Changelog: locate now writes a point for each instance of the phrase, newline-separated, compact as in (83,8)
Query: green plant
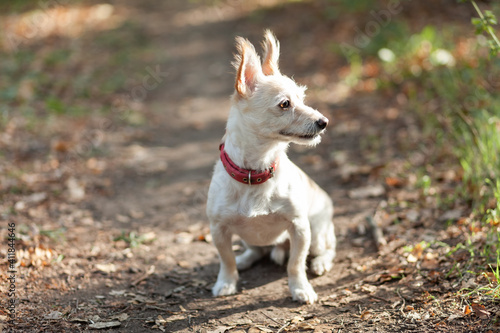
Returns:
(484,25)
(493,214)
(133,239)
(425,183)
(54,234)
(492,287)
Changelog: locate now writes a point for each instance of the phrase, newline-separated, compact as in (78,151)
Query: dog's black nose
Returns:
(322,122)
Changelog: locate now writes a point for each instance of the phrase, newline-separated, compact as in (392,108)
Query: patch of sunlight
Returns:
(222,12)
(29,27)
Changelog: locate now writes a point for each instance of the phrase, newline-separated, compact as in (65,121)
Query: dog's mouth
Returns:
(307,136)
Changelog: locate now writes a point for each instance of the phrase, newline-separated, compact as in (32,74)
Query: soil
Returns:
(151,188)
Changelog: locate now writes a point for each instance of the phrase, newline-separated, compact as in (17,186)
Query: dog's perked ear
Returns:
(247,64)
(271,48)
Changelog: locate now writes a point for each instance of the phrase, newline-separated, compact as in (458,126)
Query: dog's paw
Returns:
(303,292)
(224,288)
(278,255)
(321,264)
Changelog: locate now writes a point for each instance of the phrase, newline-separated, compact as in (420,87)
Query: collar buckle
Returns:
(271,172)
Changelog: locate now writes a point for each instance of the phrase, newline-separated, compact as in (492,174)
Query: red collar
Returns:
(246,176)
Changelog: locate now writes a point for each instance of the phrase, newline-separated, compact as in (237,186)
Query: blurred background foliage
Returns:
(452,82)
(453,85)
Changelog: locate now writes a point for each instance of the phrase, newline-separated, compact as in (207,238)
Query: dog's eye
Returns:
(285,104)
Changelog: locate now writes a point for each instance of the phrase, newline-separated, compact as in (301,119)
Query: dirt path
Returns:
(192,106)
(159,176)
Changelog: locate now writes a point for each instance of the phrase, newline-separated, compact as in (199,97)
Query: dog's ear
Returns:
(271,54)
(247,64)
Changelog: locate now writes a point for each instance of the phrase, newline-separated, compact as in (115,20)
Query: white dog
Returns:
(256,191)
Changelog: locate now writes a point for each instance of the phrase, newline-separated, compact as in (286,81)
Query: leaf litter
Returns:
(163,283)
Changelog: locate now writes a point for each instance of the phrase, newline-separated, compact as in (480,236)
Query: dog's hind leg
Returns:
(323,263)
(278,254)
(251,255)
(323,250)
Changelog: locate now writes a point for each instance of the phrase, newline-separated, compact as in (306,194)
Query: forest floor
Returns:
(116,239)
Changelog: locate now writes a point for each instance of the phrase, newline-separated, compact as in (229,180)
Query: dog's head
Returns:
(272,104)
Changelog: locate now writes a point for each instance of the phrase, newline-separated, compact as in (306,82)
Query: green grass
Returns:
(16,6)
(133,239)
(490,289)
(469,117)
(74,77)
(452,85)
(54,234)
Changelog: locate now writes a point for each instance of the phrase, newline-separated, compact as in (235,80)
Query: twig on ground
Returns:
(277,322)
(150,271)
(154,307)
(283,327)
(402,305)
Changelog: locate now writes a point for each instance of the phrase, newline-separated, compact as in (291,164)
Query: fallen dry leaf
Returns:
(237,322)
(120,317)
(367,192)
(160,320)
(480,310)
(140,299)
(368,288)
(307,326)
(184,264)
(412,258)
(262,329)
(347,171)
(394,182)
(366,315)
(106,268)
(453,317)
(435,276)
(430,264)
(61,146)
(330,304)
(220,329)
(253,330)
(117,292)
(76,189)
(413,315)
(36,257)
(54,315)
(105,324)
(175,317)
(418,250)
(184,238)
(79,320)
(95,165)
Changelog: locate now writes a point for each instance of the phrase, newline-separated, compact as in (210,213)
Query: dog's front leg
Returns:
(300,239)
(228,274)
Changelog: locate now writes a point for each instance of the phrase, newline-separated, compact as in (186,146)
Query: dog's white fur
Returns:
(289,206)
